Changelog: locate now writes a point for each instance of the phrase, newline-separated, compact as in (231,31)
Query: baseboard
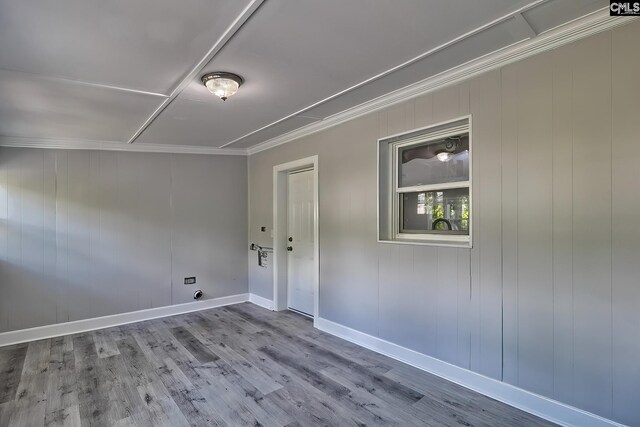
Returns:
(77,326)
(261,301)
(541,406)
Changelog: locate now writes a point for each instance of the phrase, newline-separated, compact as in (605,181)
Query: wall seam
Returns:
(517,249)
(249,227)
(66,236)
(44,204)
(171,226)
(501,229)
(611,212)
(573,232)
(553,240)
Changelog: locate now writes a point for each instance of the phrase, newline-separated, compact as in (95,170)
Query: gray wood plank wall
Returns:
(92,233)
(547,298)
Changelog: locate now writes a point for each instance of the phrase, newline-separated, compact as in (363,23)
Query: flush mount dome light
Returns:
(222,84)
(444,156)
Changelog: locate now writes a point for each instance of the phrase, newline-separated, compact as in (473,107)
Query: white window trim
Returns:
(394,190)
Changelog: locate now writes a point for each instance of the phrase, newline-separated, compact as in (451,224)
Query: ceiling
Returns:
(129,72)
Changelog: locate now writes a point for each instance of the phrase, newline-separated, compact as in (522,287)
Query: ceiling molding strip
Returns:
(219,44)
(71,144)
(47,78)
(585,26)
(300,113)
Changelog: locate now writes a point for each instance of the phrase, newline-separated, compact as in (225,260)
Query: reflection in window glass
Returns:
(434,212)
(435,162)
(422,207)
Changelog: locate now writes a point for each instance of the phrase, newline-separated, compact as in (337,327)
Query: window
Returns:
(425,185)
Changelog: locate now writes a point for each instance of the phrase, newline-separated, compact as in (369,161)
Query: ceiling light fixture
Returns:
(222,84)
(444,156)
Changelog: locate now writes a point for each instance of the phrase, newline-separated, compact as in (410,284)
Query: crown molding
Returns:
(73,144)
(585,26)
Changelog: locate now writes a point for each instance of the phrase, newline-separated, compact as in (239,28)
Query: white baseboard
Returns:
(77,326)
(541,406)
(261,301)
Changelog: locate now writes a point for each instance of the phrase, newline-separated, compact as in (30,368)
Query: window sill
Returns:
(422,242)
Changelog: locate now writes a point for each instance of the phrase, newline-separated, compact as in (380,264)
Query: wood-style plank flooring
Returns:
(232,366)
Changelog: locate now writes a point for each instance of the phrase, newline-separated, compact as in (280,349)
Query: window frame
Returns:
(393,207)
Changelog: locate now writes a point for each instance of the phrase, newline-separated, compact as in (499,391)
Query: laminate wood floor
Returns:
(239,365)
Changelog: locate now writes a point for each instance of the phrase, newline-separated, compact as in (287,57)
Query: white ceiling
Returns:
(104,70)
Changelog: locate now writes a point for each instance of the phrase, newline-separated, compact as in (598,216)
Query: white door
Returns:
(300,228)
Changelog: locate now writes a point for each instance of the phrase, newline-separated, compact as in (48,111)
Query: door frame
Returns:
(280,196)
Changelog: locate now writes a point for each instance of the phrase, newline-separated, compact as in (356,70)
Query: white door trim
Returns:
(280,230)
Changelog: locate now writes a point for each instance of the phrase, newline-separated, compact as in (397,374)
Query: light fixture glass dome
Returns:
(222,84)
(444,156)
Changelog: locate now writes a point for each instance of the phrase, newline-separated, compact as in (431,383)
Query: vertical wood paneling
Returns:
(106,230)
(464,309)
(49,281)
(62,236)
(396,120)
(335,240)
(447,309)
(535,225)
(208,220)
(14,237)
(540,272)
(127,225)
(406,269)
(510,197)
(409,115)
(31,266)
(400,318)
(423,110)
(361,269)
(486,284)
(425,266)
(626,234)
(394,280)
(425,261)
(4,232)
(562,160)
(153,254)
(592,222)
(71,224)
(463,273)
(446,106)
(79,237)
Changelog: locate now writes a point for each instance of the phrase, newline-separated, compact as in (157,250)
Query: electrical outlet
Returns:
(189,280)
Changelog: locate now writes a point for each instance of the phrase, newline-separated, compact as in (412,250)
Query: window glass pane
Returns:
(435,212)
(435,162)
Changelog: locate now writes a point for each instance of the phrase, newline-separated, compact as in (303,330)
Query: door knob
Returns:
(291,239)
(289,248)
